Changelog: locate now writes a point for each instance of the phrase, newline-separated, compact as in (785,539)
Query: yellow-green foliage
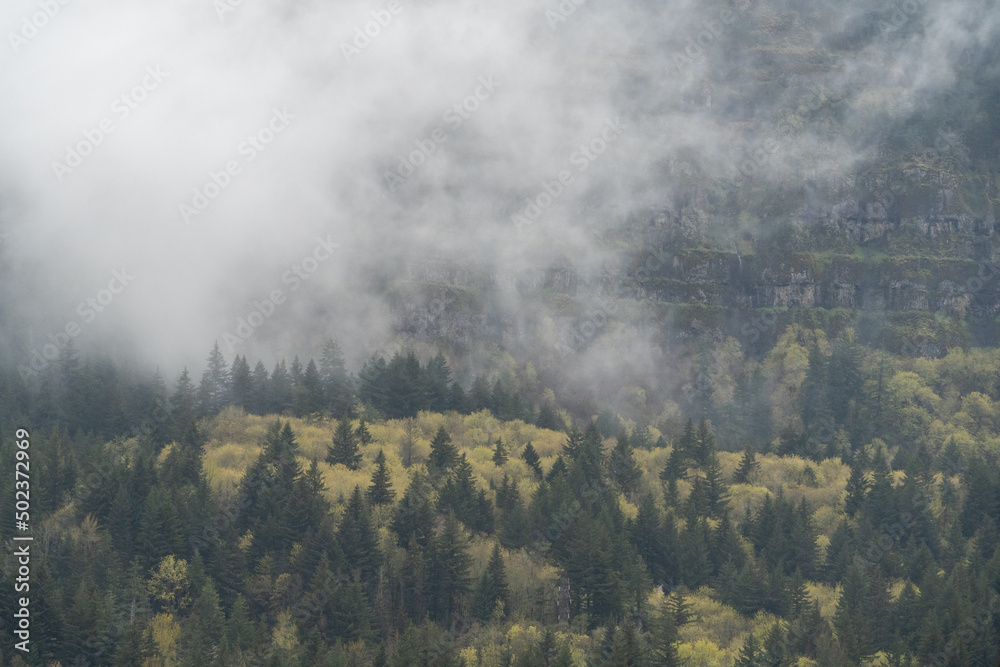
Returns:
(826,597)
(718,631)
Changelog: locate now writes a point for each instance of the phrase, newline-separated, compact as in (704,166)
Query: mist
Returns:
(185,165)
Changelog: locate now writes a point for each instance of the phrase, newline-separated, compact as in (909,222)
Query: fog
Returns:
(292,117)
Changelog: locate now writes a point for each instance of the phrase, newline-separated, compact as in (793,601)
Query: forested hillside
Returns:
(307,515)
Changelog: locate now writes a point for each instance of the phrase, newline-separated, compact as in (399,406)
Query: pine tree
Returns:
(415,513)
(749,466)
(450,562)
(499,453)
(183,402)
(336,384)
(857,487)
(380,492)
(443,453)
(311,395)
(213,393)
(344,449)
(664,639)
(357,537)
(438,377)
(687,446)
(750,654)
(241,383)
(622,467)
(530,457)
(492,587)
(258,404)
(362,433)
(280,395)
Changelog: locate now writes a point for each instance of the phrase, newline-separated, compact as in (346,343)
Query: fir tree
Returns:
(492,587)
(750,654)
(344,449)
(357,537)
(857,487)
(241,383)
(364,437)
(530,457)
(380,492)
(333,376)
(443,453)
(622,467)
(749,466)
(213,393)
(499,453)
(311,398)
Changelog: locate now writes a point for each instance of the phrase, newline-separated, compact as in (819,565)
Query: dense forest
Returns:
(312,516)
(617,333)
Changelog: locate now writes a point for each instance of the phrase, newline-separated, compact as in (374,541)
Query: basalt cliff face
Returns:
(915,263)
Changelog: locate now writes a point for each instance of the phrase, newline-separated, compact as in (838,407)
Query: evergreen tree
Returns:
(530,457)
(492,587)
(362,433)
(213,393)
(750,654)
(280,395)
(311,395)
(857,487)
(499,453)
(622,467)
(183,402)
(241,383)
(449,566)
(336,384)
(380,492)
(749,466)
(260,383)
(357,537)
(443,453)
(438,377)
(344,449)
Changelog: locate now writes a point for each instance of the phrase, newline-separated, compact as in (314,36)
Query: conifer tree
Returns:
(622,467)
(311,398)
(380,492)
(213,393)
(530,457)
(357,538)
(344,449)
(443,453)
(750,653)
(499,453)
(749,466)
(857,487)
(492,587)
(183,402)
(449,565)
(333,376)
(241,383)
(362,433)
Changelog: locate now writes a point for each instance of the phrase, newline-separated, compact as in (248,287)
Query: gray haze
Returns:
(322,176)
